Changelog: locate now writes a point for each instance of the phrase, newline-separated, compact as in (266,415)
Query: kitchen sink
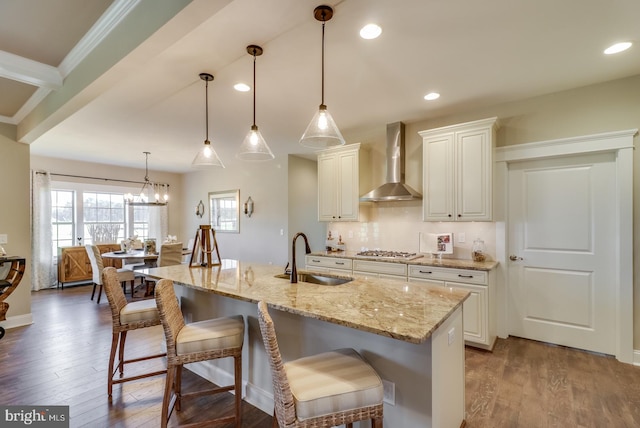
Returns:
(316,278)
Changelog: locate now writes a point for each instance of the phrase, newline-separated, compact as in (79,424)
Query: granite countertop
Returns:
(421,261)
(410,312)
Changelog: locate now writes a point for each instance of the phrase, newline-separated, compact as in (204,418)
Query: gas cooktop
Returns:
(388,255)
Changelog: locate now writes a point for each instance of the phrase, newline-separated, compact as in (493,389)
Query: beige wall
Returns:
(15,214)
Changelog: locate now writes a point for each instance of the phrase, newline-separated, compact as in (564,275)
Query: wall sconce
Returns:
(200,209)
(248,207)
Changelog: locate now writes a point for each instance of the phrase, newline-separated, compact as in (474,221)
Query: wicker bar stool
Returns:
(125,317)
(323,390)
(198,341)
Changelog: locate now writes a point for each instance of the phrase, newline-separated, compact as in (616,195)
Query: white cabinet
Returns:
(339,183)
(478,318)
(369,268)
(333,265)
(458,171)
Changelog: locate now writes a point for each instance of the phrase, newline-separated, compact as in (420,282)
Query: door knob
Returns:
(515,258)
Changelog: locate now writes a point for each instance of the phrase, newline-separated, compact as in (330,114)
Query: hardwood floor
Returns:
(61,359)
(524,383)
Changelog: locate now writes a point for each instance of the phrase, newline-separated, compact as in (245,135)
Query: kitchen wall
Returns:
(14,218)
(604,107)
(282,206)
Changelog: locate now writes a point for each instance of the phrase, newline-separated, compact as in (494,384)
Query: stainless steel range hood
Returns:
(394,189)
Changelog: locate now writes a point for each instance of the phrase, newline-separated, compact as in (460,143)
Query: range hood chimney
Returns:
(394,189)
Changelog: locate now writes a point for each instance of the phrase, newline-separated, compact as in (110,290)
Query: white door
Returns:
(562,233)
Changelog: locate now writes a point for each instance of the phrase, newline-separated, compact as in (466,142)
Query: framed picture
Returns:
(436,243)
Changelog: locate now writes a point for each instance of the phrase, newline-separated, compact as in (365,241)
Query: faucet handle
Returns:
(287,271)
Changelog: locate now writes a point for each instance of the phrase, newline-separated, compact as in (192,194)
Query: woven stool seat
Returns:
(198,341)
(323,390)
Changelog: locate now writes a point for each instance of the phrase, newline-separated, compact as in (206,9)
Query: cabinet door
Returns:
(438,200)
(475,316)
(348,186)
(473,175)
(327,187)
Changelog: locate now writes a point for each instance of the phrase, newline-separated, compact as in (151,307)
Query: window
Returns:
(86,214)
(103,217)
(62,219)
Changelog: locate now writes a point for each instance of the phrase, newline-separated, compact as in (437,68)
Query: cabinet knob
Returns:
(514,258)
(449,215)
(459,215)
(422,271)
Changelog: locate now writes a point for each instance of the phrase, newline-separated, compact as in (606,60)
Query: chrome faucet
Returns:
(294,270)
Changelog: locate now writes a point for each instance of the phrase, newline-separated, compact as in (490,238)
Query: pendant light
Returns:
(151,194)
(207,156)
(322,130)
(254,147)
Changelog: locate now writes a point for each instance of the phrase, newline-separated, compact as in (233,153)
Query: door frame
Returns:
(621,144)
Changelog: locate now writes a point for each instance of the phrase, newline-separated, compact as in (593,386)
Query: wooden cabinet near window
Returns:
(74,264)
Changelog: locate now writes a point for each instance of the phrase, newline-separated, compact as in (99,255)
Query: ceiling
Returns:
(78,87)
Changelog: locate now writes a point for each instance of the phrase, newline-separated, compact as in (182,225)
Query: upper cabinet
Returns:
(339,183)
(458,171)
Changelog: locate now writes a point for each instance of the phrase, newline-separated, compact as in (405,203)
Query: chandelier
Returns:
(151,194)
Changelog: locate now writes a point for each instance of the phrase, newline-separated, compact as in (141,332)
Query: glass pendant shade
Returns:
(254,147)
(206,156)
(322,131)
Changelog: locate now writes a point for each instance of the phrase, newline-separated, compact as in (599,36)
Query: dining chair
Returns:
(97,267)
(199,341)
(323,390)
(169,254)
(124,318)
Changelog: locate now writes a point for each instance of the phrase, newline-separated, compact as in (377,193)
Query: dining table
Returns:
(137,257)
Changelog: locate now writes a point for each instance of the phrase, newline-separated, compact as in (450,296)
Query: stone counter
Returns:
(404,311)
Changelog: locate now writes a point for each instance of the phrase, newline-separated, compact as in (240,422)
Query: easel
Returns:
(203,240)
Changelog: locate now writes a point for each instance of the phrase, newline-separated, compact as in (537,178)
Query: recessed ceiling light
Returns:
(370,31)
(242,87)
(432,96)
(618,47)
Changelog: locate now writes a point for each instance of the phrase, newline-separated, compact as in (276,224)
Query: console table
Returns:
(8,284)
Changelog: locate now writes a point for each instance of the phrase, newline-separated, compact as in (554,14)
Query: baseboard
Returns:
(253,395)
(17,321)
(636,357)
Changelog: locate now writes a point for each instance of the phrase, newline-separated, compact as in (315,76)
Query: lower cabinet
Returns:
(478,318)
(74,264)
(478,315)
(332,265)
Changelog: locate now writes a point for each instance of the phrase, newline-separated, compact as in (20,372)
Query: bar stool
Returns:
(323,390)
(125,317)
(198,341)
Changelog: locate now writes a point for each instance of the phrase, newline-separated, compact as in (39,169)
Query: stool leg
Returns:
(237,362)
(94,290)
(377,423)
(178,387)
(99,294)
(112,357)
(123,337)
(275,423)
(166,399)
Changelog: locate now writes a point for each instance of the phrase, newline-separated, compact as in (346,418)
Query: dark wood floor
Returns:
(61,360)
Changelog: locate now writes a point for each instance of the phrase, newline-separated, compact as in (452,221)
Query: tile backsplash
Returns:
(396,226)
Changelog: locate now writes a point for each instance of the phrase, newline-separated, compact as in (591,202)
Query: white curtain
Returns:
(158,223)
(42,267)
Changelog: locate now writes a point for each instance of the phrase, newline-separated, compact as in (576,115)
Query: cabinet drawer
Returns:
(328,262)
(445,274)
(389,268)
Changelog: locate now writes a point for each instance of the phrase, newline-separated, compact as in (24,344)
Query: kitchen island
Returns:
(410,333)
